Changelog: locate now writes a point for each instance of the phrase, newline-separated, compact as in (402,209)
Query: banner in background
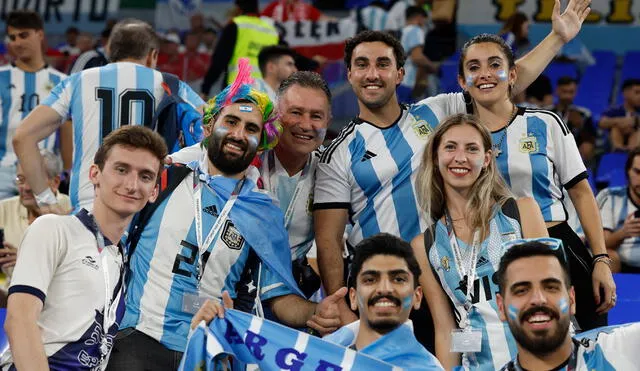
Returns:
(86,15)
(603,12)
(324,38)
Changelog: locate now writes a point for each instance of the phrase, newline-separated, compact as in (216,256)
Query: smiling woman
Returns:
(472,213)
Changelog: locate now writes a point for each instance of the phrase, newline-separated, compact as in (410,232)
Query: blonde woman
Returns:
(473,213)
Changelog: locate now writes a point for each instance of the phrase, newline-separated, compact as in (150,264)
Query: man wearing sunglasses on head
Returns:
(536,299)
(23,84)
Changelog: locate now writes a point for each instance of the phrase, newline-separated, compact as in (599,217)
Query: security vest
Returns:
(253,34)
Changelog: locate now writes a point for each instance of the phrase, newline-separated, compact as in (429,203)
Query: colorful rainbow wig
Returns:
(242,90)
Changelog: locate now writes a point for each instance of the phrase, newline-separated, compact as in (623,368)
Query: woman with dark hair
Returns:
(473,211)
(538,157)
(515,33)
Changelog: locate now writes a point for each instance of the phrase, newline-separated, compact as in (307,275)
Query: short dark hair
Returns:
(413,11)
(248,6)
(369,36)
(632,155)
(272,53)
(24,19)
(486,38)
(383,244)
(527,250)
(566,80)
(306,79)
(133,136)
(539,88)
(132,38)
(72,29)
(629,83)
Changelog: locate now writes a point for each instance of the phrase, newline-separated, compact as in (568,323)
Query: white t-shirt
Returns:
(59,263)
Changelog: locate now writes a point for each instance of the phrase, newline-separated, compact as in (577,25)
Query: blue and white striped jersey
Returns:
(282,188)
(498,345)
(608,348)
(373,17)
(21,92)
(164,265)
(412,37)
(615,205)
(100,100)
(372,171)
(538,157)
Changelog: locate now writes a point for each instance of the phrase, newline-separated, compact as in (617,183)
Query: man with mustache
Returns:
(383,287)
(537,300)
(215,232)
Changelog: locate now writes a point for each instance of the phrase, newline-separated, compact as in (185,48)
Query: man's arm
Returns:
(422,61)
(66,144)
(566,26)
(38,125)
(295,311)
(329,227)
(221,56)
(25,339)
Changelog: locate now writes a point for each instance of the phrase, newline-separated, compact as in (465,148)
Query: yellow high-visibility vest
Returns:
(253,34)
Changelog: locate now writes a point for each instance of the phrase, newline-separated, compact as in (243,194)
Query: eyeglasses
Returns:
(20,180)
(554,245)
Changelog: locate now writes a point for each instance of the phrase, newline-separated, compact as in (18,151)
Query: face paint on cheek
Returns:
(407,302)
(502,75)
(320,134)
(512,312)
(563,304)
(469,80)
(220,132)
(253,142)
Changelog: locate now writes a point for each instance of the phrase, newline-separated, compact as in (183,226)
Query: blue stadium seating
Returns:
(627,308)
(449,78)
(556,70)
(629,69)
(610,163)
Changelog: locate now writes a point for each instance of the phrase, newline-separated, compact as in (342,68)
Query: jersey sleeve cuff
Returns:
(331,205)
(608,229)
(576,180)
(28,290)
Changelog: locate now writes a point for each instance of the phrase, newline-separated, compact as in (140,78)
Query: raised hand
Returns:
(326,318)
(212,309)
(568,23)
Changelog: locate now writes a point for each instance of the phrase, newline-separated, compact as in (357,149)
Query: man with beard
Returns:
(618,208)
(212,232)
(537,300)
(384,287)
(366,176)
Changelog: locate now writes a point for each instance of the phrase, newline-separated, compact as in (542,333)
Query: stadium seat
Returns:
(618,178)
(629,69)
(592,181)
(557,70)
(4,341)
(609,163)
(449,78)
(627,308)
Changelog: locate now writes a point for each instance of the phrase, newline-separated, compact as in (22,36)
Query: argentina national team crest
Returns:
(231,236)
(529,144)
(422,129)
(445,263)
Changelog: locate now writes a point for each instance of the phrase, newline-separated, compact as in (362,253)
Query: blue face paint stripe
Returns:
(513,312)
(540,167)
(502,75)
(407,302)
(367,179)
(563,304)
